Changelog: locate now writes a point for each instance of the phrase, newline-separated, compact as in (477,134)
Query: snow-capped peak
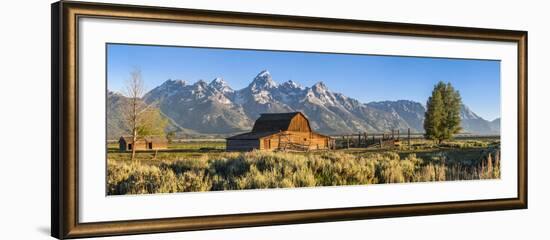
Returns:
(319,87)
(172,85)
(263,81)
(201,83)
(291,84)
(320,94)
(264,73)
(220,84)
(175,82)
(218,80)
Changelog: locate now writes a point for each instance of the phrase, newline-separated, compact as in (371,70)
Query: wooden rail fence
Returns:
(388,139)
(380,140)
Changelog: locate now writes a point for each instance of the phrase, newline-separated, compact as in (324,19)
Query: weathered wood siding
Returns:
(159,145)
(319,141)
(140,145)
(270,142)
(290,139)
(242,145)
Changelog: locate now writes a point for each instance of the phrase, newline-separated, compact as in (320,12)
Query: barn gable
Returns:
(294,121)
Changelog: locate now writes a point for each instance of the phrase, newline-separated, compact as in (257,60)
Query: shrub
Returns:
(193,181)
(139,179)
(258,170)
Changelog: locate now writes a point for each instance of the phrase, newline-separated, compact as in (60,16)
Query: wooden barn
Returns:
(280,131)
(146,143)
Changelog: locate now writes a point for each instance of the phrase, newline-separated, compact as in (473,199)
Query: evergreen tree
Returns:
(442,117)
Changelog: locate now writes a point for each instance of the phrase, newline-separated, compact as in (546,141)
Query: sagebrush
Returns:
(259,170)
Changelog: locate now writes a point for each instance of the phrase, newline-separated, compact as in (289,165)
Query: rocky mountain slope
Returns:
(215,108)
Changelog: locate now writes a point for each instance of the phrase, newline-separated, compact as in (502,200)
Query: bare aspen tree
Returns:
(134,92)
(141,119)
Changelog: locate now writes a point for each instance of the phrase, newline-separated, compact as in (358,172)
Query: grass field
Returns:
(205,166)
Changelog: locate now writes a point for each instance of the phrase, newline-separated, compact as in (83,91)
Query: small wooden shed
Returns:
(280,131)
(145,143)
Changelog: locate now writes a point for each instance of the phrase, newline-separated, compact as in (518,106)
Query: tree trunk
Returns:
(134,128)
(134,91)
(134,139)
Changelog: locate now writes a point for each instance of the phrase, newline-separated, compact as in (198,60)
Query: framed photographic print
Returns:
(167,119)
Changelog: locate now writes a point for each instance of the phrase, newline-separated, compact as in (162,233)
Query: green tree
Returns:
(434,115)
(152,123)
(170,136)
(442,117)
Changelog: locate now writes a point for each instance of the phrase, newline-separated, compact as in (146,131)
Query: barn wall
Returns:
(242,145)
(319,142)
(140,145)
(143,145)
(160,145)
(275,141)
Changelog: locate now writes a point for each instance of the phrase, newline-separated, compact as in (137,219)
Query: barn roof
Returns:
(274,121)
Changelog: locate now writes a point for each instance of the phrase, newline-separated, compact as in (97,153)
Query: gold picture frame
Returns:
(65,127)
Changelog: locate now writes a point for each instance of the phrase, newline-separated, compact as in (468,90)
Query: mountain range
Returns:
(214,108)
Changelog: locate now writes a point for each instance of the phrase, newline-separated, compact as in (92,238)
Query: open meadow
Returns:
(193,166)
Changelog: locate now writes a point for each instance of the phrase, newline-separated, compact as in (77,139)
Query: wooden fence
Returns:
(388,139)
(380,140)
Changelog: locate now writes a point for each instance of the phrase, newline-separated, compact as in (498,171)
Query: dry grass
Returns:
(259,170)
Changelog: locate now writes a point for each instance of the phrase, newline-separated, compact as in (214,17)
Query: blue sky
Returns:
(364,77)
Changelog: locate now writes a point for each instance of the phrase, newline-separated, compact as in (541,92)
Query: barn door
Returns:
(267,143)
